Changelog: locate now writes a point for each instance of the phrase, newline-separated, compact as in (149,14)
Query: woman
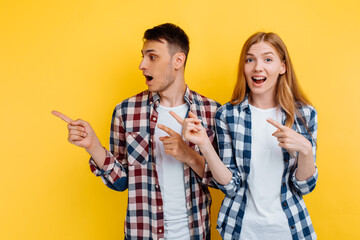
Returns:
(267,144)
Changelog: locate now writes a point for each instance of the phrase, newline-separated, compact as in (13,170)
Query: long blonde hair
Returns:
(288,92)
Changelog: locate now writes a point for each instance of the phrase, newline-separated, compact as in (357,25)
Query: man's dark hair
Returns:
(174,35)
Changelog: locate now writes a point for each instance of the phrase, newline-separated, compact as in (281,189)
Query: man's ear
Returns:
(179,60)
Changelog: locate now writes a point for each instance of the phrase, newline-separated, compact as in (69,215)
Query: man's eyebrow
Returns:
(148,51)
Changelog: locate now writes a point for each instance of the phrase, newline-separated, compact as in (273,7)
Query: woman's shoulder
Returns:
(307,110)
(227,108)
(308,113)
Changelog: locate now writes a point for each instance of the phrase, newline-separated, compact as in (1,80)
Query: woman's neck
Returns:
(262,102)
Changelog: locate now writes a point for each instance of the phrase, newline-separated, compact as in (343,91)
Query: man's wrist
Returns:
(95,150)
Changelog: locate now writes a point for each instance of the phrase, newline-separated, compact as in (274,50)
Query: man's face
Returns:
(157,65)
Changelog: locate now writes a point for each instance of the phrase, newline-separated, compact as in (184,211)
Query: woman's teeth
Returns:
(259,79)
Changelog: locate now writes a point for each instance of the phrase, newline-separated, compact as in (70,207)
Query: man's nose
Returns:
(142,65)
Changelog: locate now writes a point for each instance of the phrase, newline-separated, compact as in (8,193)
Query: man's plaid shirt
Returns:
(130,164)
(233,129)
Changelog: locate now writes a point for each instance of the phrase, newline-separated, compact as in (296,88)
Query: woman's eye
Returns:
(152,57)
(268,60)
(248,60)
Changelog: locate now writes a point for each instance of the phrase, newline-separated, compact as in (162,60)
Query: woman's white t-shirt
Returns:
(264,217)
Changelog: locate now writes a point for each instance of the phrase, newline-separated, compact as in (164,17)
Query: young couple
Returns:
(163,147)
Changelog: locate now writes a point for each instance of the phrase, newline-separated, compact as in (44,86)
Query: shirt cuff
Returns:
(106,169)
(305,186)
(230,189)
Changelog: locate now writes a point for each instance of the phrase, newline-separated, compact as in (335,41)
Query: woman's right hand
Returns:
(193,130)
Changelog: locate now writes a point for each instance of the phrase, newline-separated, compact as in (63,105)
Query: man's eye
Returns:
(152,57)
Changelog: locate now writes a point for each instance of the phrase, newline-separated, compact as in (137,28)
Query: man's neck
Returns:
(174,95)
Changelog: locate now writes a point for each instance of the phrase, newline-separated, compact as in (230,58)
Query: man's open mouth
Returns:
(148,78)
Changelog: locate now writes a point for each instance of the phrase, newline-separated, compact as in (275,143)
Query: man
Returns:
(166,177)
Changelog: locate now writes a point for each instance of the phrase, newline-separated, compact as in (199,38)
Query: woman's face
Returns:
(262,69)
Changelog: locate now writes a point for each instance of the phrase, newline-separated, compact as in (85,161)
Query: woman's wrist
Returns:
(307,148)
(205,145)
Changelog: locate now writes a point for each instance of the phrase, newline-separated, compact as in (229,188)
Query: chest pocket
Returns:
(137,144)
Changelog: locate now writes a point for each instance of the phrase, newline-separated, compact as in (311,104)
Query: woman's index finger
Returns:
(275,123)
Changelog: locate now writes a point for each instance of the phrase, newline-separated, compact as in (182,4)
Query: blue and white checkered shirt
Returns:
(233,127)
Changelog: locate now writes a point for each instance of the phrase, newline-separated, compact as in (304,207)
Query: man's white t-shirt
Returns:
(171,177)
(264,217)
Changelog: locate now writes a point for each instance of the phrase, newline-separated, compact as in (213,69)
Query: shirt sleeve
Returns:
(115,169)
(308,185)
(207,178)
(226,154)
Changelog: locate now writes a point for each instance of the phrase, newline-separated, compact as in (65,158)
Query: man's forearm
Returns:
(98,153)
(197,163)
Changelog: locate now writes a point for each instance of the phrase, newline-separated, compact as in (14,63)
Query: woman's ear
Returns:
(283,68)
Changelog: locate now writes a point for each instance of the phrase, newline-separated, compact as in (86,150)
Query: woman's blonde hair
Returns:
(288,93)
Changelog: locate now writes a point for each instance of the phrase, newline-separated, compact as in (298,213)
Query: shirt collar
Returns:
(188,96)
(154,97)
(244,104)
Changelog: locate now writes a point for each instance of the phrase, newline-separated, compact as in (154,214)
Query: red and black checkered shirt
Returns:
(130,164)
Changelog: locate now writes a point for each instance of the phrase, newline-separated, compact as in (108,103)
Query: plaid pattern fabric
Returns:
(233,127)
(130,164)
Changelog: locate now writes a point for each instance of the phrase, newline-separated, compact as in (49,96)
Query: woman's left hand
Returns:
(289,139)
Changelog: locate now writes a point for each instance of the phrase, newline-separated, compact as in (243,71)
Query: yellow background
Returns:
(81,57)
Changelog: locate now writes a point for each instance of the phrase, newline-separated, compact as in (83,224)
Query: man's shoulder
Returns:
(202,100)
(140,98)
(132,104)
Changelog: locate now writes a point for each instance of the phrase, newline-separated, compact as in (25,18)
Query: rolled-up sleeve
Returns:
(306,186)
(114,172)
(226,154)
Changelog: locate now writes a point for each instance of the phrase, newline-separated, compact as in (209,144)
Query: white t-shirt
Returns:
(264,217)
(171,177)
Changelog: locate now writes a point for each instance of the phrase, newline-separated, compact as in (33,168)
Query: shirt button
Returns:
(160,230)
(292,227)
(134,135)
(284,204)
(156,186)
(154,118)
(159,208)
(284,184)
